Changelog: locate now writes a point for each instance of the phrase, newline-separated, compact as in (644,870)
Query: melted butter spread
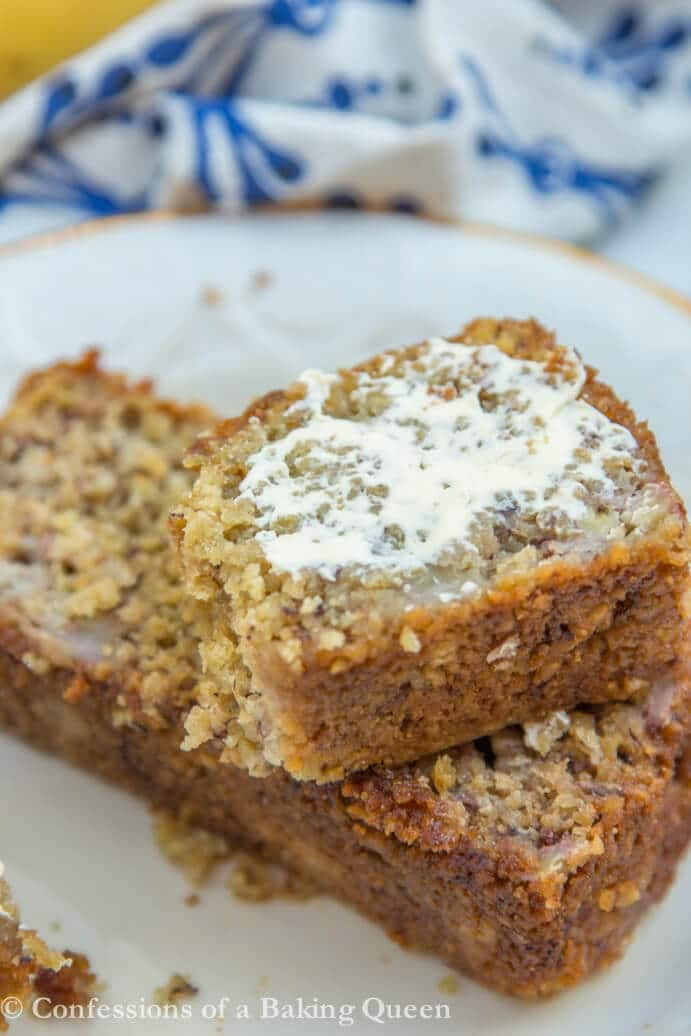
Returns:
(399,477)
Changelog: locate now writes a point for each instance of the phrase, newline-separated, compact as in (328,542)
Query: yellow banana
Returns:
(37,34)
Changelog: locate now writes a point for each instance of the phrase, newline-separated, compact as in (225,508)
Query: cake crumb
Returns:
(625,894)
(197,852)
(32,970)
(444,774)
(541,736)
(504,652)
(261,280)
(255,880)
(73,983)
(188,198)
(262,985)
(331,639)
(210,295)
(449,984)
(410,641)
(177,988)
(38,665)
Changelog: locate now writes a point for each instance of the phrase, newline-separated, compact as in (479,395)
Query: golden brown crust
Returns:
(87,369)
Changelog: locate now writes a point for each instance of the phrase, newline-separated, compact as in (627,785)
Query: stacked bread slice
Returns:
(418,633)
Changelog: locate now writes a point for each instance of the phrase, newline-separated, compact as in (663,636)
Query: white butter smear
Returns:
(402,488)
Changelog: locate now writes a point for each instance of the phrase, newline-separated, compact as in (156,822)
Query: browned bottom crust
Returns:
(477,915)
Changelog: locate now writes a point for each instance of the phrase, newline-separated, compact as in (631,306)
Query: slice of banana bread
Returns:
(525,859)
(89,467)
(421,550)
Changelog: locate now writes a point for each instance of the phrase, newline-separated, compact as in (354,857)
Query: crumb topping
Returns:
(176,990)
(195,851)
(397,466)
(199,853)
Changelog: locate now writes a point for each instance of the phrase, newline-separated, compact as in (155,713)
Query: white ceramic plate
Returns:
(290,292)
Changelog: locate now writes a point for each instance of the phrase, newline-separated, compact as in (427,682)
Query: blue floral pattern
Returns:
(633,49)
(401,103)
(260,163)
(551,164)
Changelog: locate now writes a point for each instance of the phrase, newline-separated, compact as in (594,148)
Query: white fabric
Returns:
(556,117)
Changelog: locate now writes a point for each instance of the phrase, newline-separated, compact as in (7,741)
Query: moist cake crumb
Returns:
(449,984)
(177,990)
(199,853)
(258,880)
(195,851)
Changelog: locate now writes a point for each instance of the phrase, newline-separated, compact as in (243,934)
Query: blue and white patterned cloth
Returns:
(556,117)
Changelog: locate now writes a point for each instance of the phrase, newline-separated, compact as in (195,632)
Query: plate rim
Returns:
(48,239)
